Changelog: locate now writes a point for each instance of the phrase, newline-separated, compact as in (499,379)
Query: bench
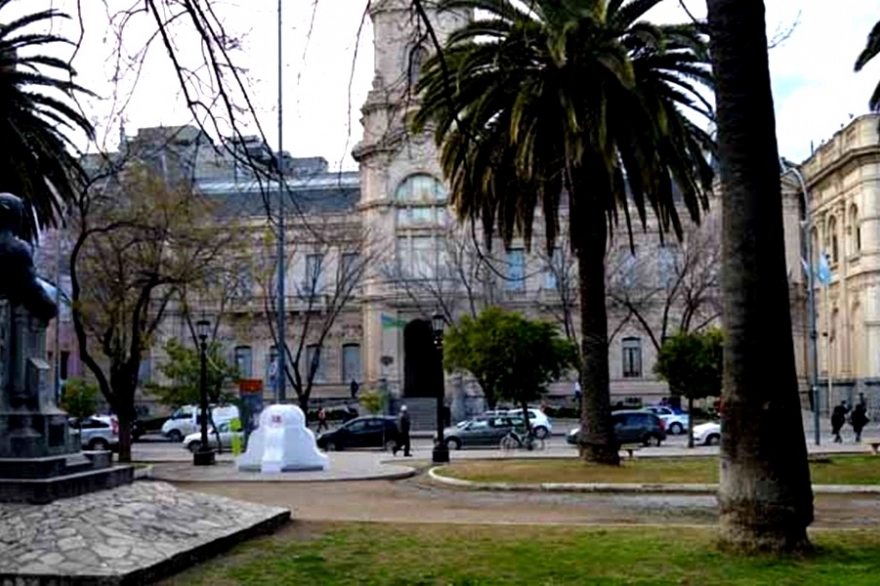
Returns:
(874,443)
(629,449)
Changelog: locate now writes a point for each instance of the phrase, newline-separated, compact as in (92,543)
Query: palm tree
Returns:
(579,99)
(765,494)
(871,50)
(36,116)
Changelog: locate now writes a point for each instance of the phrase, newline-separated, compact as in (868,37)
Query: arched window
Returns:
(856,229)
(832,239)
(416,59)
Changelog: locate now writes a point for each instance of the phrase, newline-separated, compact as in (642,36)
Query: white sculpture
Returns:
(282,443)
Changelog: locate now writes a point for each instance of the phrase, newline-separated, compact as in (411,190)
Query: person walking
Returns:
(859,419)
(322,420)
(838,418)
(403,425)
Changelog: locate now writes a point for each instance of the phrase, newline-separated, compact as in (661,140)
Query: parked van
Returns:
(185,420)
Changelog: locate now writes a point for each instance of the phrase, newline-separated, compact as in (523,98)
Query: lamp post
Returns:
(811,295)
(204,456)
(440,455)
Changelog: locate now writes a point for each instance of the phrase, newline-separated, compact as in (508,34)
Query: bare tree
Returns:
(336,255)
(137,242)
(671,290)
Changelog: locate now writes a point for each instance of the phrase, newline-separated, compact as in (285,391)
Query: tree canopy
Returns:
(512,357)
(691,363)
(183,371)
(79,398)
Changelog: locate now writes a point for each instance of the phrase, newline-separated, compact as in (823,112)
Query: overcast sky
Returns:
(815,88)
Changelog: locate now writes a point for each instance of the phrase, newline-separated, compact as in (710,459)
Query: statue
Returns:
(36,441)
(20,284)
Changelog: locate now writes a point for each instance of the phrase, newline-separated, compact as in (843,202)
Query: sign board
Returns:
(251,393)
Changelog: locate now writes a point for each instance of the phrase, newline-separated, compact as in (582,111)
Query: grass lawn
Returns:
(363,553)
(833,470)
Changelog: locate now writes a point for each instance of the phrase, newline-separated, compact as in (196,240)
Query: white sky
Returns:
(814,85)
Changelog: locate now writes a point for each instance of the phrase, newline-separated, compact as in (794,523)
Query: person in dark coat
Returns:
(403,425)
(859,419)
(838,418)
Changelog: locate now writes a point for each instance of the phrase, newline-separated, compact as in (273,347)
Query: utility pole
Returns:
(281,345)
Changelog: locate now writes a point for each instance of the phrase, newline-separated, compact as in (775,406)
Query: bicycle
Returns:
(525,440)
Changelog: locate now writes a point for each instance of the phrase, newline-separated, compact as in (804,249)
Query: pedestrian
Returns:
(863,402)
(403,425)
(322,420)
(354,388)
(838,418)
(859,419)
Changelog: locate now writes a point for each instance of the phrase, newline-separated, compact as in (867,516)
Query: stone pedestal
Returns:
(40,457)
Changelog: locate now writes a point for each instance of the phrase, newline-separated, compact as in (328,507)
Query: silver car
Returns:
(97,433)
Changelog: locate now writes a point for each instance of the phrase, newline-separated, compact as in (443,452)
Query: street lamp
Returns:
(440,454)
(811,294)
(204,456)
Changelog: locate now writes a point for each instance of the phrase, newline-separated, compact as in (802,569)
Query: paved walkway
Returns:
(344,466)
(132,534)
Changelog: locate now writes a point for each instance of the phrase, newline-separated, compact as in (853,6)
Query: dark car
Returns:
(632,427)
(373,431)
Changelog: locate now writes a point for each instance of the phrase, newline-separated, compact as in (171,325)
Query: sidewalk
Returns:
(344,466)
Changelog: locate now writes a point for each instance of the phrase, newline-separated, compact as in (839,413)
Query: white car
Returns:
(707,434)
(193,441)
(185,420)
(676,423)
(537,419)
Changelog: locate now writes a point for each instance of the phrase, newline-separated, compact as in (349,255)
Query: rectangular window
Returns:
(666,269)
(632,357)
(243,361)
(315,363)
(423,257)
(314,281)
(351,363)
(516,269)
(404,256)
(348,267)
(65,359)
(144,373)
(553,270)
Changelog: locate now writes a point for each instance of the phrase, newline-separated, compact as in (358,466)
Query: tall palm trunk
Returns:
(589,231)
(765,495)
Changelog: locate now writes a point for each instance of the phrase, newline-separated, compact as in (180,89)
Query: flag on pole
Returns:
(390,322)
(823,271)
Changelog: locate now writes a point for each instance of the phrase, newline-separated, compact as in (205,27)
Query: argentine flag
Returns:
(823,271)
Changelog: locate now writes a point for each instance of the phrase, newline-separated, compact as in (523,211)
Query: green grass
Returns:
(411,555)
(832,470)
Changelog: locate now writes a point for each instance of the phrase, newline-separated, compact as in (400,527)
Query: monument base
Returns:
(40,491)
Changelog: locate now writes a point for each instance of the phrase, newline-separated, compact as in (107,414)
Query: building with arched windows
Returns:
(843,184)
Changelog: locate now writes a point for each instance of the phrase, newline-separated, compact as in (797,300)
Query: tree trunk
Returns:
(124,418)
(765,495)
(690,422)
(597,442)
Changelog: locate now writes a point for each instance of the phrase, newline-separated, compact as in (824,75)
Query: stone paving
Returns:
(128,535)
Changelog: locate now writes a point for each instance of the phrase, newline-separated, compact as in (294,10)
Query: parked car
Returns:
(145,425)
(481,431)
(185,420)
(98,432)
(631,427)
(707,434)
(371,431)
(676,421)
(193,441)
(538,420)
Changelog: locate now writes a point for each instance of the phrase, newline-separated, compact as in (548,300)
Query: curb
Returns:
(620,488)
(409,472)
(145,473)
